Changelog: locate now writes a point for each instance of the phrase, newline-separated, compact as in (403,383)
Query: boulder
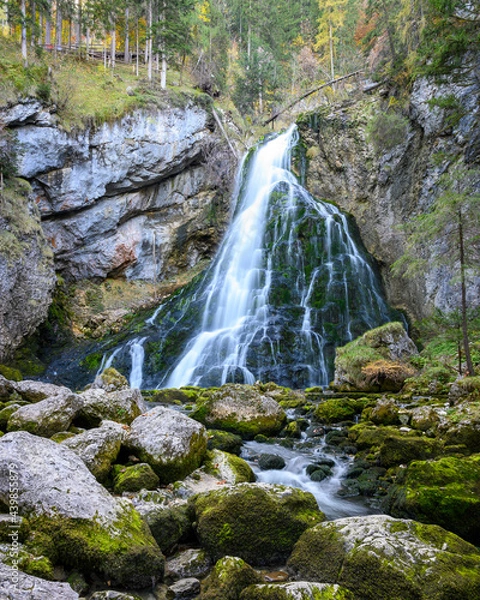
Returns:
(398,449)
(88,529)
(229,468)
(16,585)
(99,447)
(228,578)
(49,416)
(381,558)
(443,491)
(385,412)
(184,589)
(134,478)
(298,590)
(171,443)
(113,595)
(110,380)
(375,361)
(270,461)
(241,409)
(169,524)
(259,523)
(188,563)
(122,406)
(225,441)
(34,391)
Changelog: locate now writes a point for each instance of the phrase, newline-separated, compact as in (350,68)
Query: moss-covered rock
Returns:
(257,522)
(385,412)
(110,380)
(366,435)
(10,373)
(121,406)
(467,388)
(241,409)
(98,447)
(228,467)
(224,440)
(299,590)
(228,578)
(462,426)
(169,525)
(401,449)
(381,558)
(445,491)
(375,361)
(337,410)
(134,478)
(34,588)
(171,443)
(270,461)
(48,416)
(76,522)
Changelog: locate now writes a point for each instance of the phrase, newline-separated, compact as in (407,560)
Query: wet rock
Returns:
(401,449)
(229,468)
(27,587)
(98,448)
(381,557)
(171,443)
(88,529)
(169,524)
(113,595)
(241,409)
(228,578)
(270,461)
(295,591)
(256,522)
(48,416)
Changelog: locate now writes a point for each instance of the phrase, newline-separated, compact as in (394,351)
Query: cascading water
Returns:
(290,283)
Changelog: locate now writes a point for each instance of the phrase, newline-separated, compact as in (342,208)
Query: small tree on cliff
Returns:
(448,235)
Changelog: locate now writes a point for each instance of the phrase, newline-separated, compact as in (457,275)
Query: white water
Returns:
(137,353)
(294,475)
(240,284)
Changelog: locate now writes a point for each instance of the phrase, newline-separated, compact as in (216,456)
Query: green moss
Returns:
(92,361)
(397,449)
(10,373)
(225,441)
(339,409)
(257,524)
(134,478)
(170,526)
(228,578)
(124,553)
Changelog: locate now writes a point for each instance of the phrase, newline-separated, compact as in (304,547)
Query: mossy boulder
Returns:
(366,435)
(462,426)
(337,410)
(76,522)
(445,491)
(224,440)
(228,467)
(48,416)
(385,412)
(98,447)
(424,418)
(10,373)
(270,461)
(241,409)
(298,590)
(134,478)
(467,388)
(110,380)
(169,525)
(171,443)
(257,522)
(375,361)
(401,449)
(382,558)
(228,578)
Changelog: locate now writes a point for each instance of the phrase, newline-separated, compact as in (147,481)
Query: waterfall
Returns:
(290,282)
(137,354)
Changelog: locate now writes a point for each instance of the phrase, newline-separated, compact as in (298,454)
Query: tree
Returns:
(331,20)
(450,227)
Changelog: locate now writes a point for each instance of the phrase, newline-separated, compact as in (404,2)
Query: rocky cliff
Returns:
(386,183)
(133,198)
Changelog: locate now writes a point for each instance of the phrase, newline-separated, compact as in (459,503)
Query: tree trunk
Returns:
(23,8)
(58,28)
(466,344)
(332,66)
(127,37)
(113,45)
(150,42)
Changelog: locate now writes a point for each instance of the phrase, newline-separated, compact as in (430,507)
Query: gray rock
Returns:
(122,406)
(95,531)
(189,563)
(113,595)
(48,416)
(34,391)
(171,443)
(16,585)
(184,589)
(99,447)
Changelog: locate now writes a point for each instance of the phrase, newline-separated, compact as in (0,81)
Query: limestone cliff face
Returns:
(129,198)
(132,198)
(384,189)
